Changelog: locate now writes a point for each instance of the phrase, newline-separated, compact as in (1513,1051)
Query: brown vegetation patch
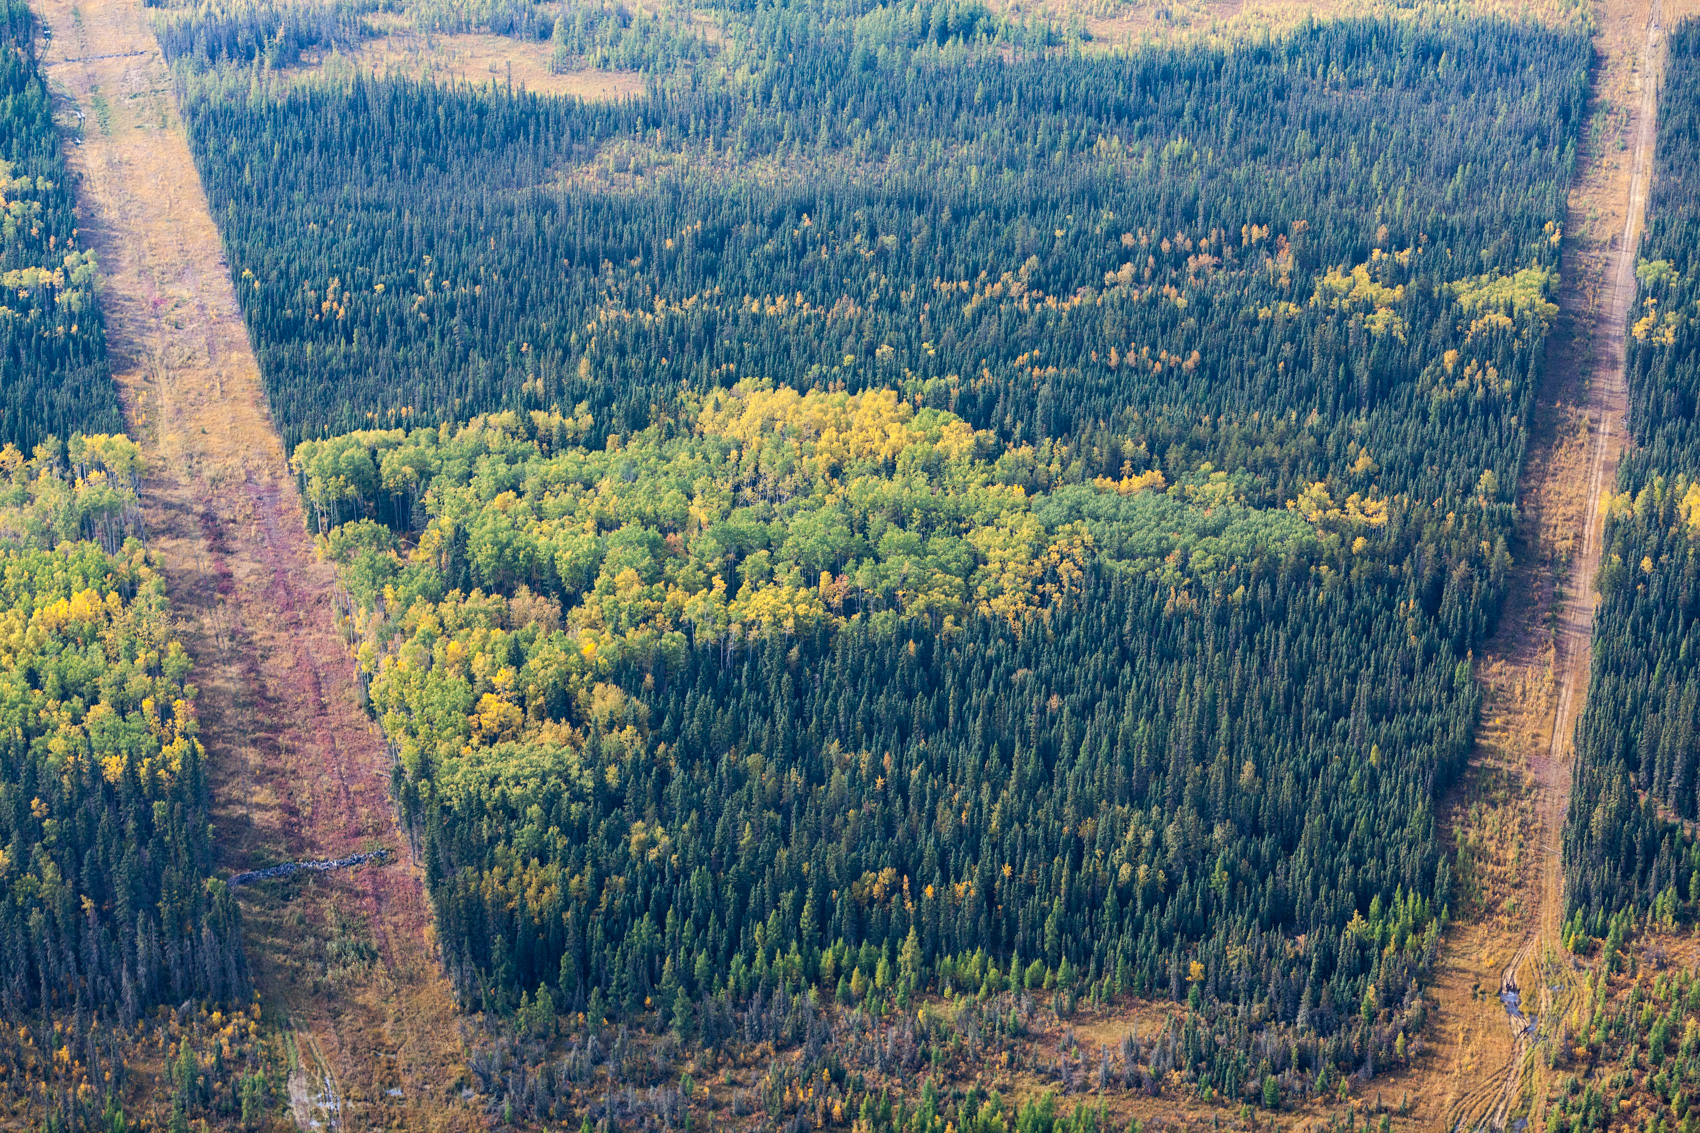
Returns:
(345,965)
(474,58)
(1508,814)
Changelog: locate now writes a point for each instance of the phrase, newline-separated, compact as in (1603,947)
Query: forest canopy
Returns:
(890,517)
(109,907)
(765,508)
(1042,248)
(53,372)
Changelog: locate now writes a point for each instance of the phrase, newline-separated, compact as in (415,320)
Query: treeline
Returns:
(896,1073)
(108,906)
(1264,325)
(1636,778)
(276,32)
(611,36)
(603,34)
(53,372)
(1039,247)
(199,36)
(597,34)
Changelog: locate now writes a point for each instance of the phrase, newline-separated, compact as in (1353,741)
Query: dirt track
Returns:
(1544,643)
(298,771)
(299,774)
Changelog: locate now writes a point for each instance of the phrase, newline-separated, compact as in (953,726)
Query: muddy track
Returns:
(1587,358)
(298,772)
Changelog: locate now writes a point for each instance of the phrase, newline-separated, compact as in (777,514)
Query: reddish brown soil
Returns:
(298,770)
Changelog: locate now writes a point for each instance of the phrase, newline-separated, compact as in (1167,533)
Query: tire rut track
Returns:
(297,772)
(1602,362)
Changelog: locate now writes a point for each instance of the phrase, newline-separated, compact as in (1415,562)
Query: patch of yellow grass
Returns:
(473,58)
(1118,24)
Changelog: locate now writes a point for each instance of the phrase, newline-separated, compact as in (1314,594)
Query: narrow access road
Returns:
(1603,322)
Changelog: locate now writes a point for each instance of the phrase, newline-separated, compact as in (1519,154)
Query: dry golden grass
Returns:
(1117,24)
(471,58)
(1510,809)
(296,771)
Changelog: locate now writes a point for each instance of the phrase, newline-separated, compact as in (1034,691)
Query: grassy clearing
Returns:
(295,773)
(470,57)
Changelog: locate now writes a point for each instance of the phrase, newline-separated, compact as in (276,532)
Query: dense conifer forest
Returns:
(53,375)
(1039,247)
(1636,780)
(896,518)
